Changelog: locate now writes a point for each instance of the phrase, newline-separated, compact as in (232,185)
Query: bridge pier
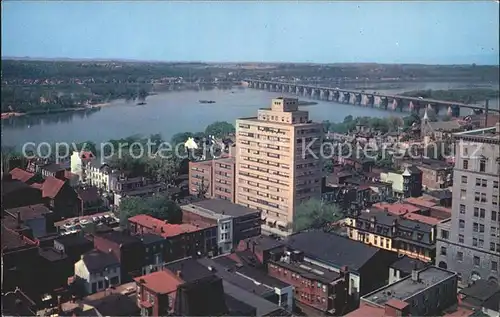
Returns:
(384,102)
(335,95)
(455,111)
(357,99)
(346,97)
(371,100)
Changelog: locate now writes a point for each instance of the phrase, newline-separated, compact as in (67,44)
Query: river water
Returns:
(166,113)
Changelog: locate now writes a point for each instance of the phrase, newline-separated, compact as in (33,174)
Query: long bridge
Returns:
(367,99)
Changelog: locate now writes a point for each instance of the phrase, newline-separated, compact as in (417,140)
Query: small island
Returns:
(307,103)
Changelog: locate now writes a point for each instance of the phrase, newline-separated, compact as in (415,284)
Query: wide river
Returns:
(166,113)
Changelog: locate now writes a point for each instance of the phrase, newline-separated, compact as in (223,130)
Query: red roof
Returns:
(161,227)
(21,175)
(396,303)
(367,311)
(397,208)
(421,218)
(160,282)
(420,202)
(51,187)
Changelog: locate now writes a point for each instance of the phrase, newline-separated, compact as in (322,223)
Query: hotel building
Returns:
(469,243)
(278,163)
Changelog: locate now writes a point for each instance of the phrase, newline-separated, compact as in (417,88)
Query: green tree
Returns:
(220,129)
(158,206)
(314,214)
(328,166)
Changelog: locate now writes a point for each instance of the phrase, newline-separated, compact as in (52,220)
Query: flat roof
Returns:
(284,124)
(490,133)
(219,207)
(407,288)
(263,306)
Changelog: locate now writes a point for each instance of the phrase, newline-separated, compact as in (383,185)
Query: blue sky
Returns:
(446,32)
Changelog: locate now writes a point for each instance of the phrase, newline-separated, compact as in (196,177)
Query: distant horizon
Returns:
(128,60)
(309,32)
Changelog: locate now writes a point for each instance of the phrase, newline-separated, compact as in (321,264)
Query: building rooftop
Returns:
(21,175)
(250,272)
(163,228)
(397,208)
(407,287)
(481,135)
(263,243)
(53,167)
(223,207)
(190,269)
(480,293)
(406,264)
(328,247)
(160,282)
(51,187)
(234,278)
(88,194)
(72,240)
(10,186)
(263,306)
(310,271)
(11,240)
(96,261)
(118,237)
(51,254)
(388,219)
(366,310)
(29,212)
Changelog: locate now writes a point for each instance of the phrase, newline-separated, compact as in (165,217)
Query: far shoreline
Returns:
(7,115)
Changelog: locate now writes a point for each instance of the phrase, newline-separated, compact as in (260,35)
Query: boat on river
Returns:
(206,101)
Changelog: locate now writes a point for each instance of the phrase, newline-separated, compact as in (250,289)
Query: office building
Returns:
(469,243)
(278,162)
(215,178)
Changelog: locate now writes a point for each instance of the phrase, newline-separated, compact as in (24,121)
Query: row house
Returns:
(127,249)
(394,233)
(181,240)
(317,289)
(97,271)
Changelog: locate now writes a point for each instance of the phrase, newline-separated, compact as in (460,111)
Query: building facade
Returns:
(470,242)
(394,233)
(215,178)
(278,162)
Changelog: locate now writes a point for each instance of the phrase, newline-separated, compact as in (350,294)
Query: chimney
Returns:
(415,275)
(179,273)
(18,218)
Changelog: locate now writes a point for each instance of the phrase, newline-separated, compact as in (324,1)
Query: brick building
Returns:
(182,239)
(214,177)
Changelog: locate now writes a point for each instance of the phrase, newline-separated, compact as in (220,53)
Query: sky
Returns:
(427,32)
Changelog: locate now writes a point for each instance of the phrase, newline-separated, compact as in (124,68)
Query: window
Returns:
(476,212)
(461,223)
(463,194)
(475,227)
(494,215)
(464,179)
(481,243)
(492,246)
(460,256)
(465,164)
(477,261)
(462,209)
(495,184)
(484,182)
(494,199)
(443,250)
(482,165)
(493,231)
(460,238)
(494,266)
(477,197)
(478,182)
(474,242)
(481,228)
(445,234)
